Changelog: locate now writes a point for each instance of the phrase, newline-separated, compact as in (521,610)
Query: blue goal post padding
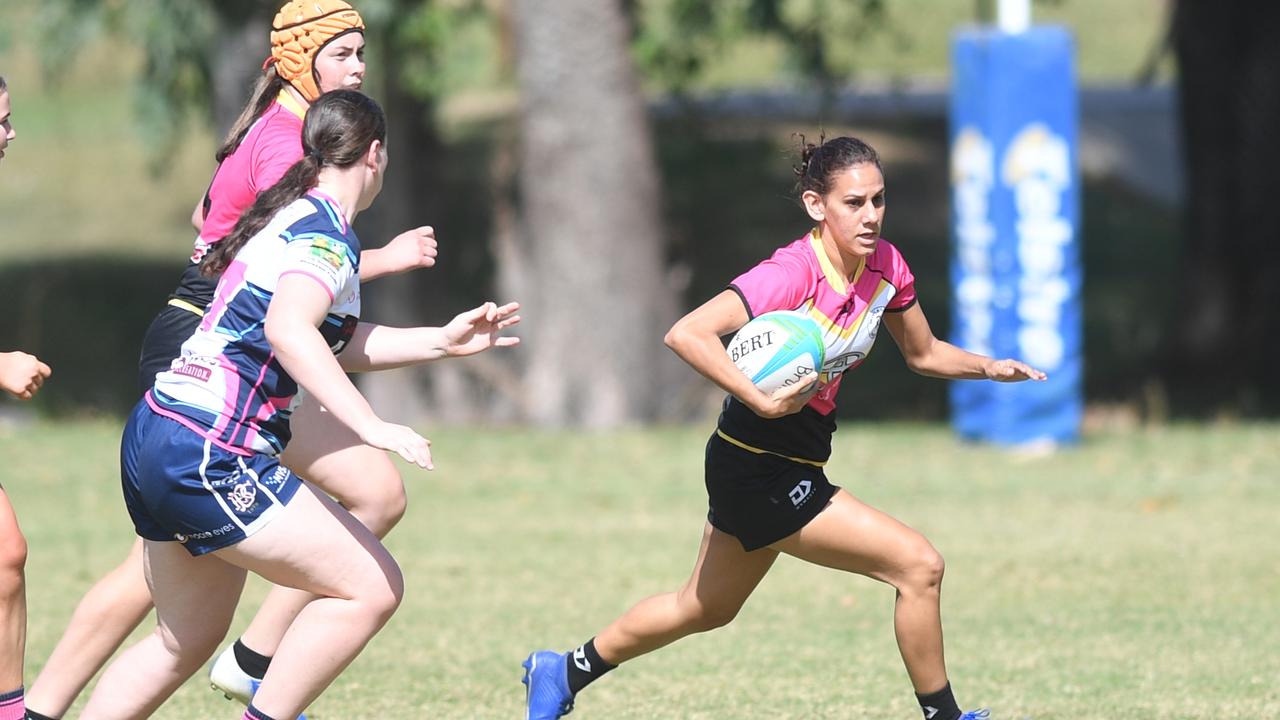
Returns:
(1015,222)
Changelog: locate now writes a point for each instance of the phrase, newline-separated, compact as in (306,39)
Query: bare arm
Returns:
(409,250)
(292,325)
(927,355)
(378,347)
(696,339)
(197,216)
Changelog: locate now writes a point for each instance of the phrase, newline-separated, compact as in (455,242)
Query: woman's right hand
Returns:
(400,440)
(785,401)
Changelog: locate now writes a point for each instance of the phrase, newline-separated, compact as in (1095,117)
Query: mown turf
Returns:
(1134,576)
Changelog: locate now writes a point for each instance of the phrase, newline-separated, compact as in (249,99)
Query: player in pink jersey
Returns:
(317,46)
(21,375)
(765,477)
(200,466)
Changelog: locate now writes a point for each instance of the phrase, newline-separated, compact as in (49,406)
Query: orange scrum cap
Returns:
(301,28)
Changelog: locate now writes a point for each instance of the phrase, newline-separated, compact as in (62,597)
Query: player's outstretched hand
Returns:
(22,374)
(412,249)
(479,329)
(400,440)
(1012,371)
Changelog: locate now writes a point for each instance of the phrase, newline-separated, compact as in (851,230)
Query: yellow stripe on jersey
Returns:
(189,307)
(290,103)
(834,278)
(827,324)
(758,451)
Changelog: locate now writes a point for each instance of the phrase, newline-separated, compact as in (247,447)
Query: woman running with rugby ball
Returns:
(765,477)
(200,462)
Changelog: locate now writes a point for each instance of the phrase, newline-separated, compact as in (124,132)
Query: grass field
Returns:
(1135,576)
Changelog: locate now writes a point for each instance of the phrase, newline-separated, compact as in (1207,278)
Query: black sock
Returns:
(940,705)
(251,662)
(33,715)
(256,714)
(585,666)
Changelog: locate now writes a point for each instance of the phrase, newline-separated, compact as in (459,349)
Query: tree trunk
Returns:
(239,50)
(597,303)
(407,200)
(1226,328)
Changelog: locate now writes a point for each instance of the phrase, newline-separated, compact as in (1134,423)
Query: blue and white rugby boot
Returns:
(226,677)
(980,714)
(546,681)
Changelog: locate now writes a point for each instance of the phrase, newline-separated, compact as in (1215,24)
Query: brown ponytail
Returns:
(265,91)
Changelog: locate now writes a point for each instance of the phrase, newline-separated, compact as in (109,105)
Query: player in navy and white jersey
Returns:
(200,470)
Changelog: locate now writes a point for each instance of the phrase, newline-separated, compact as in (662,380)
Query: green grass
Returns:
(1134,576)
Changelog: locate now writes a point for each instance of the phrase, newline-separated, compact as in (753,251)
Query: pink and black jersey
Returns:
(800,277)
(227,384)
(270,147)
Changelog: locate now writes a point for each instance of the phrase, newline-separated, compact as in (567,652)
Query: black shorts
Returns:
(761,498)
(163,341)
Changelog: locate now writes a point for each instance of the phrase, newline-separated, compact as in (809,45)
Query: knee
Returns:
(924,570)
(382,594)
(13,558)
(191,646)
(379,501)
(702,616)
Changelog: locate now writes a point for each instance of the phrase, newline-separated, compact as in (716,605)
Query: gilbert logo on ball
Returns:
(778,349)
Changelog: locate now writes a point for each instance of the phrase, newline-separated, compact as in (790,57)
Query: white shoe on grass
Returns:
(226,677)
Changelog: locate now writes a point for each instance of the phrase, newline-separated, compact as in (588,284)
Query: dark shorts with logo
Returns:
(761,498)
(179,486)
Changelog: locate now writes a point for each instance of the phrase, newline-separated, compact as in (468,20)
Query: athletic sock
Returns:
(254,664)
(12,706)
(940,705)
(585,666)
(253,713)
(33,715)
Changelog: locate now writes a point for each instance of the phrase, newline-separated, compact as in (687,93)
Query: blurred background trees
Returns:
(611,163)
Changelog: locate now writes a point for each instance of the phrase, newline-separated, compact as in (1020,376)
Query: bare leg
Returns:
(319,547)
(328,455)
(313,543)
(195,600)
(723,577)
(852,536)
(13,597)
(102,621)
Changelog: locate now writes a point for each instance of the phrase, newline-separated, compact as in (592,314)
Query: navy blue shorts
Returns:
(178,486)
(761,498)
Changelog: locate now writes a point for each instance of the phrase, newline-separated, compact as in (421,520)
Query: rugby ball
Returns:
(778,349)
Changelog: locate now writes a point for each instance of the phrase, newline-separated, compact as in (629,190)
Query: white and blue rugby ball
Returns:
(778,349)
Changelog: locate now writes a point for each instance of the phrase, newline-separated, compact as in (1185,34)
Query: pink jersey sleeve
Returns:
(900,276)
(783,282)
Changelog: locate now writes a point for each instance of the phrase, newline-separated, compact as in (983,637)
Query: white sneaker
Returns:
(226,677)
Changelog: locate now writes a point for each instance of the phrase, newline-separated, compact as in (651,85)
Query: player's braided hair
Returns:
(337,132)
(820,163)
